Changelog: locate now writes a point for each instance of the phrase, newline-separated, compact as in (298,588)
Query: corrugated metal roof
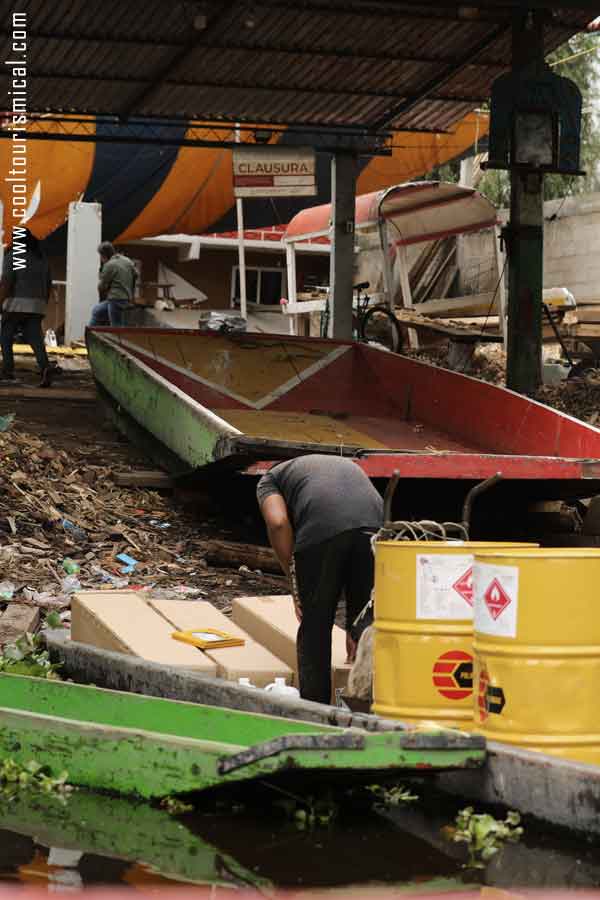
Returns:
(316,63)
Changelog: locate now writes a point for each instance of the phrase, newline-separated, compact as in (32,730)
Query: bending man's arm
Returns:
(279,529)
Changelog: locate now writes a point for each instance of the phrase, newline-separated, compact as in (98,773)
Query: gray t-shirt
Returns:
(324,495)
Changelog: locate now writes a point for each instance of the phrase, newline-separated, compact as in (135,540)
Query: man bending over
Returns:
(320,512)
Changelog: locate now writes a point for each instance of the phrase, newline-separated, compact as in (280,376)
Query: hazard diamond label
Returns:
(464,586)
(496,599)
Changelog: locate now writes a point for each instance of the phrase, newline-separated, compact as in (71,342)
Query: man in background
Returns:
(24,291)
(320,512)
(116,287)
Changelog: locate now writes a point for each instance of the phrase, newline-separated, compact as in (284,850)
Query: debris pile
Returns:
(66,525)
(579,397)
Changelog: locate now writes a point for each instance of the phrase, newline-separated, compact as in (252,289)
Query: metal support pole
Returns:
(341,272)
(525,239)
(241,257)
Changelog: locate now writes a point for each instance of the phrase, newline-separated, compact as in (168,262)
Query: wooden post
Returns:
(525,240)
(341,272)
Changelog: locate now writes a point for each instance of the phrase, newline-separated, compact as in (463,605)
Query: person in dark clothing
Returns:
(320,512)
(24,291)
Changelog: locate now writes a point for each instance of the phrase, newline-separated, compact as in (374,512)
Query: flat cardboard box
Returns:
(252,660)
(123,621)
(272,622)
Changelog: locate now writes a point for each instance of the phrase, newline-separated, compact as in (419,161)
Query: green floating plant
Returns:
(15,778)
(27,656)
(307,812)
(484,834)
(388,797)
(176,807)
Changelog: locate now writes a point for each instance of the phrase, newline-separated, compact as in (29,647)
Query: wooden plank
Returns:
(467,305)
(151,478)
(226,553)
(16,620)
(456,333)
(52,393)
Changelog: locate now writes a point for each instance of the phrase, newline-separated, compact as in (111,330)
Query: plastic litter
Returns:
(245,682)
(6,421)
(74,531)
(70,584)
(158,524)
(50,338)
(7,590)
(281,688)
(130,563)
(212,320)
(70,566)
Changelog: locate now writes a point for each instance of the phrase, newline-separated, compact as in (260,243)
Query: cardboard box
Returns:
(272,622)
(252,660)
(123,621)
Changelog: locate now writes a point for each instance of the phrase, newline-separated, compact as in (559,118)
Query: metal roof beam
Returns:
(272,88)
(174,62)
(438,81)
(256,48)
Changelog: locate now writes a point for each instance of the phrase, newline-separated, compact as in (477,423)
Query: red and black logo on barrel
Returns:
(453,675)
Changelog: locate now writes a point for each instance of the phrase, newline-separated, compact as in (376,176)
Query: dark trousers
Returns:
(31,326)
(344,563)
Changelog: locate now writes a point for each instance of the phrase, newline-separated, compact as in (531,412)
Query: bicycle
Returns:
(375,324)
(370,324)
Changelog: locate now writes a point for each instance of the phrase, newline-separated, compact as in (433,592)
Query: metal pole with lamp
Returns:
(535,126)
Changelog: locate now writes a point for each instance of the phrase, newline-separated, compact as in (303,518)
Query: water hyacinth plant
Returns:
(484,834)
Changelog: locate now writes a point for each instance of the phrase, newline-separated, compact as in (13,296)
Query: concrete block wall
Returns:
(571,245)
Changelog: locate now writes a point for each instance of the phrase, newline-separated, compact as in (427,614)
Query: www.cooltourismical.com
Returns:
(16,121)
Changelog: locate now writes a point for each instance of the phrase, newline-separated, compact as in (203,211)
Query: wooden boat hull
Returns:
(553,790)
(239,401)
(150,747)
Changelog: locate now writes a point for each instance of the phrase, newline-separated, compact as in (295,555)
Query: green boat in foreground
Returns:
(150,747)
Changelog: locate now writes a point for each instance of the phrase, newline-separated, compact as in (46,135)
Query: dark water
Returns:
(95,840)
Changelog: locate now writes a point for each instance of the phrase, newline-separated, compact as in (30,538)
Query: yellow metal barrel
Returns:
(423,630)
(537,650)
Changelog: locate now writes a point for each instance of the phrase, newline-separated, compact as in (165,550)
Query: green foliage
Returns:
(308,812)
(386,798)
(27,656)
(484,834)
(176,807)
(53,620)
(15,778)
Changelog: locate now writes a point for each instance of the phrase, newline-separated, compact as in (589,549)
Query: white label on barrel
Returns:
(444,587)
(496,593)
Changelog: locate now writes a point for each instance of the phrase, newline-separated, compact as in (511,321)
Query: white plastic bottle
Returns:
(282,689)
(50,338)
